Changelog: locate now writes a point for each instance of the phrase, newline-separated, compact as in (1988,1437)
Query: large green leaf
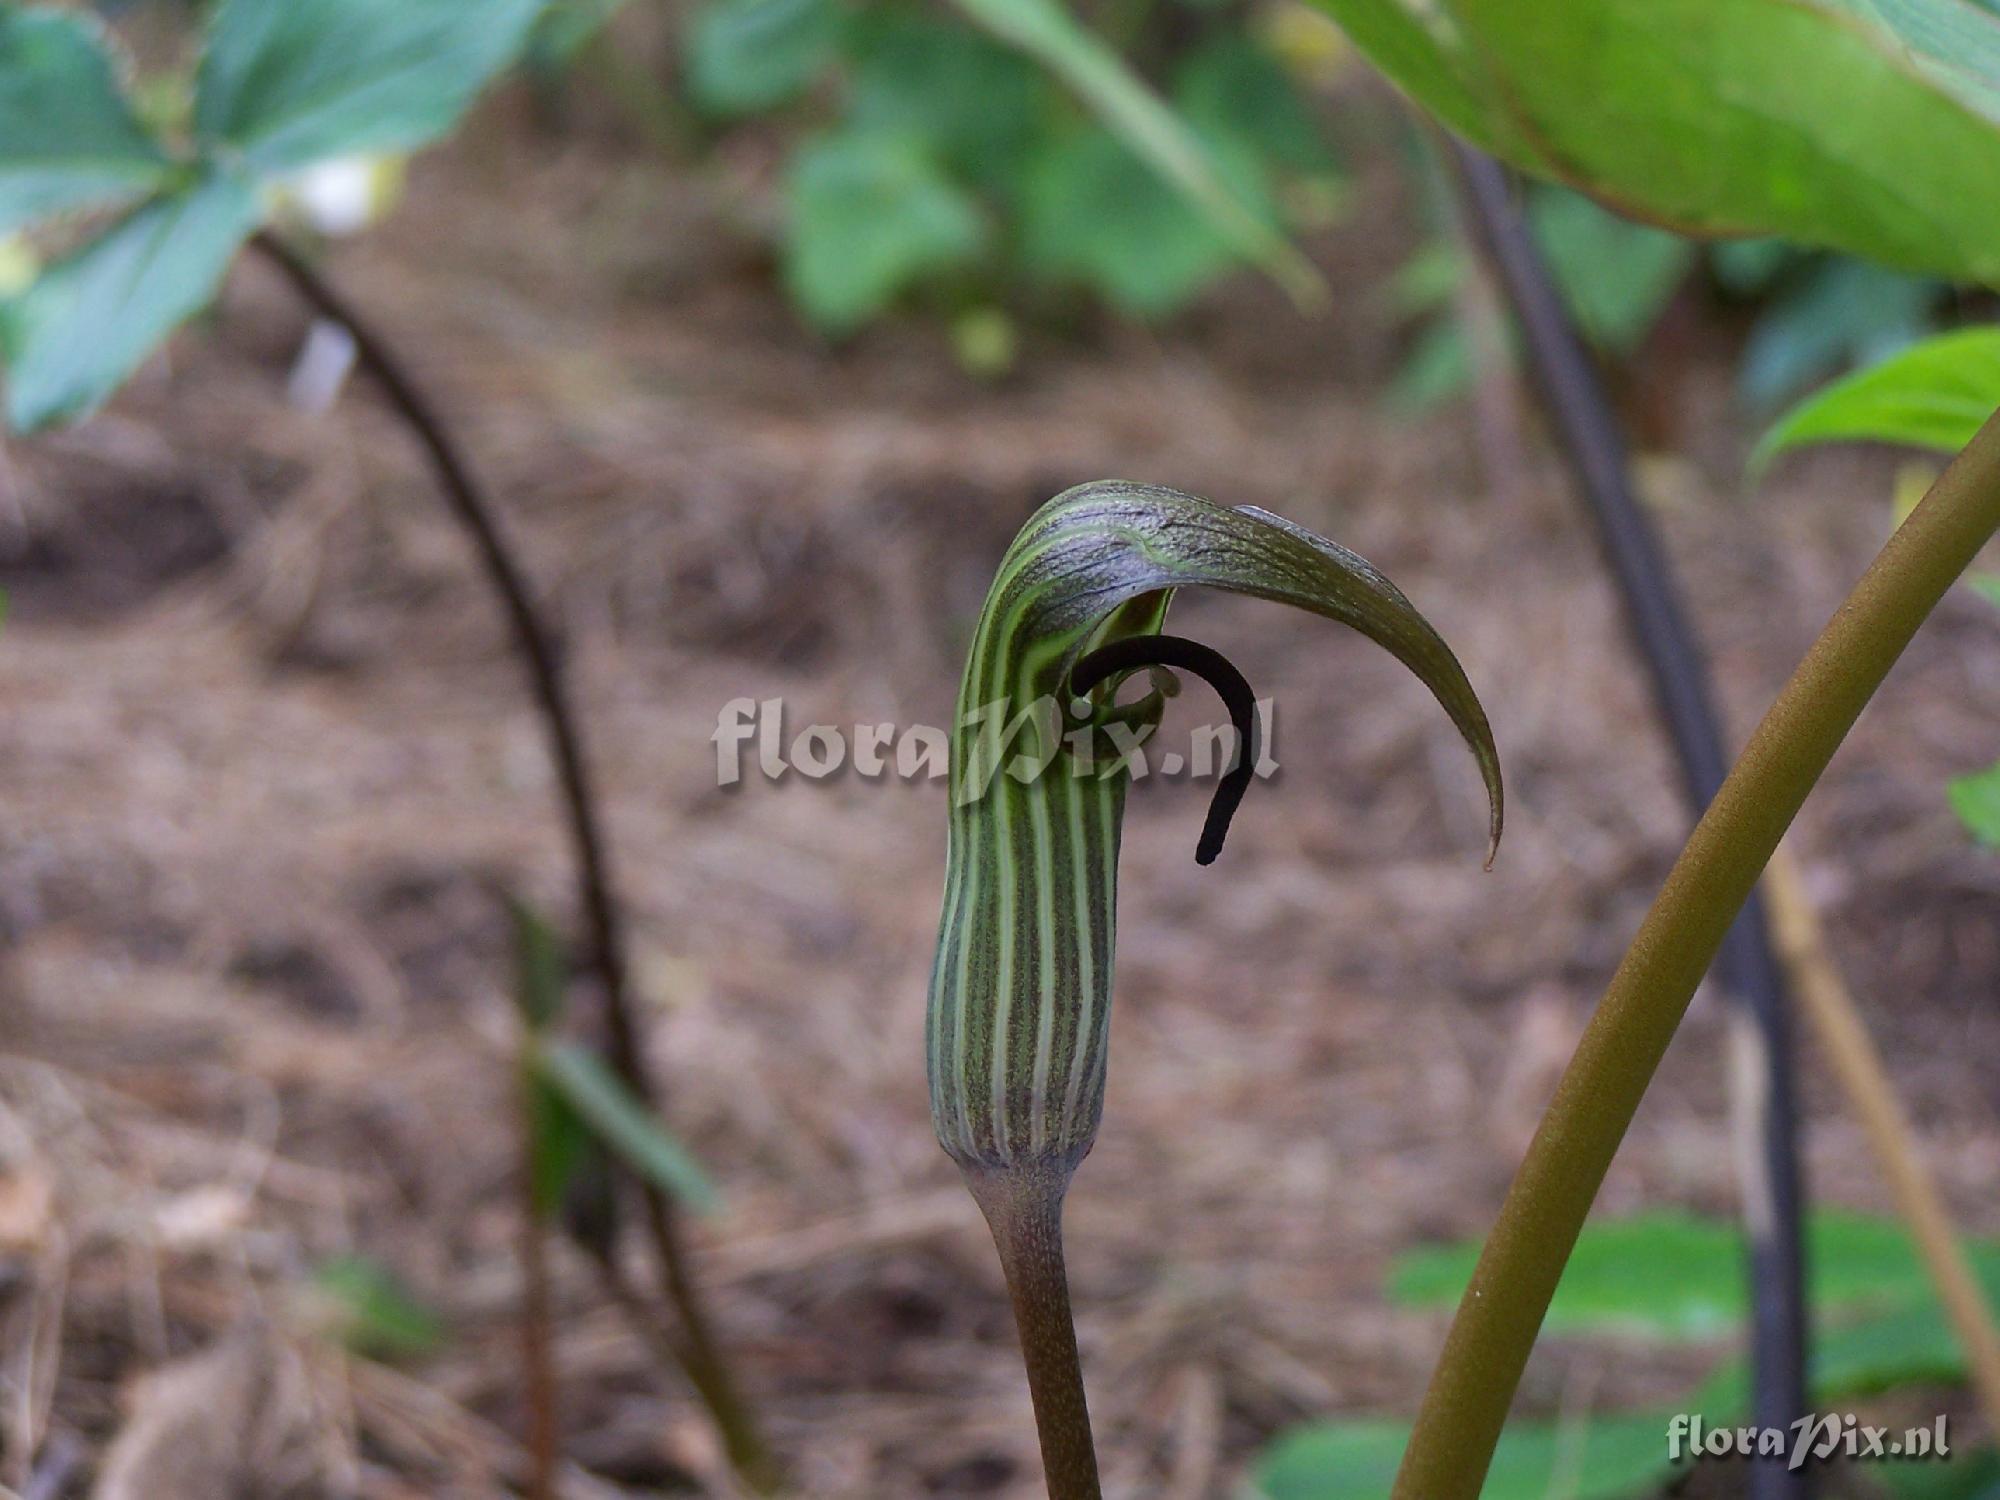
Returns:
(287,82)
(747,55)
(88,321)
(1932,395)
(871,213)
(1797,117)
(1150,128)
(71,137)
(1669,1276)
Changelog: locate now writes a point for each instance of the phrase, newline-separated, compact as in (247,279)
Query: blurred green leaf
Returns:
(560,1141)
(1672,1277)
(72,138)
(373,1313)
(1617,276)
(1152,131)
(1752,267)
(1437,369)
(541,970)
(1095,214)
(1987,585)
(1932,395)
(1956,41)
(288,82)
(1428,280)
(1976,800)
(89,320)
(1967,1476)
(1231,88)
(1789,117)
(870,215)
(582,1081)
(1593,1458)
(975,105)
(747,55)
(565,27)
(1840,313)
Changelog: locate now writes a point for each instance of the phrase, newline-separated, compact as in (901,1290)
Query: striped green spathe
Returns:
(1020,995)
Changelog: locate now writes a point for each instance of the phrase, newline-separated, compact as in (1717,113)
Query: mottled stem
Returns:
(1023,1207)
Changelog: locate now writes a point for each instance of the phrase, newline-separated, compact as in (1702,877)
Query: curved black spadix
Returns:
(1220,673)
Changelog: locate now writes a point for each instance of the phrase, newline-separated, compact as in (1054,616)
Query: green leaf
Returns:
(1986,585)
(973,104)
(1093,213)
(89,320)
(566,27)
(1976,800)
(1723,117)
(1594,1458)
(1617,276)
(1968,1476)
(1840,313)
(288,82)
(560,1142)
(582,1081)
(747,55)
(1424,53)
(1955,41)
(1932,395)
(1437,369)
(71,138)
(540,968)
(870,215)
(373,1313)
(1230,88)
(1151,130)
(1670,1276)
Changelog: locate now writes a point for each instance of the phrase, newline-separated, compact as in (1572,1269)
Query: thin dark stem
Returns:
(477,513)
(1023,1208)
(1582,415)
(538,1372)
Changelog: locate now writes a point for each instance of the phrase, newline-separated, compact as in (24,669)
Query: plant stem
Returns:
(538,1373)
(1023,1208)
(1502,1310)
(1766,1091)
(478,515)
(1843,1036)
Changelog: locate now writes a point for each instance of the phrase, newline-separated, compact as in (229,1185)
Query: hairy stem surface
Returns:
(1502,1310)
(1023,1207)
(474,509)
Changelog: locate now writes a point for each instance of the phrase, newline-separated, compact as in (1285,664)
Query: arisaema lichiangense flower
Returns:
(1020,997)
